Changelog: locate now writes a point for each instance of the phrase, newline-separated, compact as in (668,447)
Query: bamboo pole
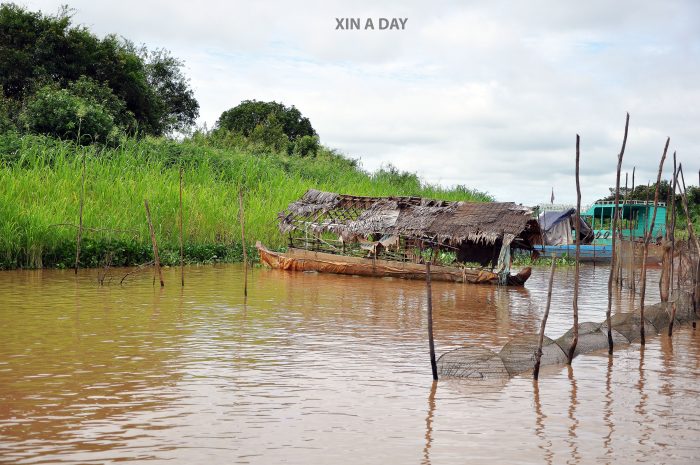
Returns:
(620,274)
(538,354)
(156,257)
(79,237)
(431,341)
(647,239)
(614,219)
(182,254)
(631,284)
(574,342)
(674,183)
(245,253)
(665,277)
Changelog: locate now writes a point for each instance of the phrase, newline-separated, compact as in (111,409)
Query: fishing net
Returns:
(658,315)
(629,326)
(590,339)
(471,362)
(629,257)
(684,306)
(518,355)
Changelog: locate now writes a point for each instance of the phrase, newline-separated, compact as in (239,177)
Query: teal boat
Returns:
(596,228)
(636,217)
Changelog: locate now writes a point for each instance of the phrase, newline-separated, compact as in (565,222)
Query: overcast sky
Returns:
(489,94)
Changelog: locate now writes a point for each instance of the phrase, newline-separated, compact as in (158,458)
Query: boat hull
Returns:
(598,253)
(305,260)
(588,253)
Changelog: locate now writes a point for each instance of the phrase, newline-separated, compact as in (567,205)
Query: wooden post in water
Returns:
(182,254)
(574,341)
(631,284)
(620,227)
(538,354)
(647,239)
(431,341)
(665,279)
(79,238)
(156,257)
(245,254)
(614,220)
(672,235)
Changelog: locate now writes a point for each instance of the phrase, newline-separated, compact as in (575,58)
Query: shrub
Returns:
(61,113)
(306,146)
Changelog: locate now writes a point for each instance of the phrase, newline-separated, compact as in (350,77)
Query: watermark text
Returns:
(360,24)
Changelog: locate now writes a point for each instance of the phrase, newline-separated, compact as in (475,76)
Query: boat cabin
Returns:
(636,216)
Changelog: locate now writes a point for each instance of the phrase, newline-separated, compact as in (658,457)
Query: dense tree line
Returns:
(63,80)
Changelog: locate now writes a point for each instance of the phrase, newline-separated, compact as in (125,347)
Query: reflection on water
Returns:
(429,423)
(323,369)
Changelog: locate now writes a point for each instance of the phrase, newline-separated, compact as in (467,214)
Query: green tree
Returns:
(307,146)
(249,114)
(101,94)
(270,134)
(61,113)
(178,105)
(36,50)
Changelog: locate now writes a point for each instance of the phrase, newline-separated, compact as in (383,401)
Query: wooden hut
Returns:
(410,229)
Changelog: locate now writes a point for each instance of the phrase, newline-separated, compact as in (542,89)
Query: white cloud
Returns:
(489,94)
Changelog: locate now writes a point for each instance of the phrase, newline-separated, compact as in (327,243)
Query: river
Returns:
(323,369)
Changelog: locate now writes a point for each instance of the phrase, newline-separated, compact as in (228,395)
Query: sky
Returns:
(488,94)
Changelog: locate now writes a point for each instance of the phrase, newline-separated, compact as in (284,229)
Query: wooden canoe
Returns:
(306,260)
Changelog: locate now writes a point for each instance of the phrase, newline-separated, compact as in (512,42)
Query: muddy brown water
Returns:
(323,369)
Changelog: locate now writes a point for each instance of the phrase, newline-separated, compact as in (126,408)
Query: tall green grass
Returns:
(40,182)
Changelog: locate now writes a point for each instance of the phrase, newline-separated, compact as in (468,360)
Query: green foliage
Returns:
(391,175)
(525,259)
(6,112)
(269,135)
(38,50)
(176,100)
(443,257)
(100,94)
(246,117)
(307,146)
(62,113)
(40,191)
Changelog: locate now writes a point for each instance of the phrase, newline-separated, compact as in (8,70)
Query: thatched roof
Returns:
(405,216)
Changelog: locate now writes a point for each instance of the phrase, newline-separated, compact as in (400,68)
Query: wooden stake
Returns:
(632,284)
(574,342)
(538,354)
(431,341)
(613,259)
(79,239)
(182,254)
(647,239)
(672,235)
(665,277)
(156,257)
(620,274)
(245,254)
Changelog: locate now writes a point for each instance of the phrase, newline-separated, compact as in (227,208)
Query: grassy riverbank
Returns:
(40,185)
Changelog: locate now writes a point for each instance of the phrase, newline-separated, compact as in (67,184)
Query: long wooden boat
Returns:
(306,260)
